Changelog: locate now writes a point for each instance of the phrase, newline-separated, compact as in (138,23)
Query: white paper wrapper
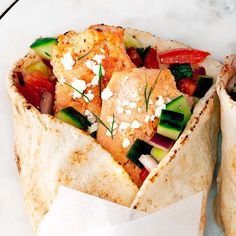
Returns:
(75,213)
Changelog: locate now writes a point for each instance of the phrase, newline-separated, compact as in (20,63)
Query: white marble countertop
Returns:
(203,24)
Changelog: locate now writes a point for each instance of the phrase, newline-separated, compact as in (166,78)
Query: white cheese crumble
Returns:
(152,118)
(80,85)
(139,110)
(125,143)
(125,102)
(89,96)
(106,94)
(119,109)
(158,110)
(67,61)
(123,126)
(98,58)
(135,124)
(132,105)
(160,101)
(147,118)
(91,118)
(93,127)
(62,80)
(128,112)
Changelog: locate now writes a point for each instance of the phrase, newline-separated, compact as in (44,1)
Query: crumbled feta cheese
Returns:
(67,61)
(89,95)
(108,134)
(125,103)
(80,85)
(123,126)
(147,118)
(152,118)
(160,101)
(98,58)
(106,94)
(91,118)
(93,127)
(128,112)
(62,80)
(135,124)
(102,50)
(119,109)
(158,110)
(132,105)
(125,143)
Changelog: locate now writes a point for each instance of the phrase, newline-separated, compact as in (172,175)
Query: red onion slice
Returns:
(148,162)
(46,103)
(161,142)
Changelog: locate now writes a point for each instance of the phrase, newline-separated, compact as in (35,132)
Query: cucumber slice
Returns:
(43,47)
(130,41)
(139,147)
(171,124)
(158,153)
(40,66)
(180,105)
(73,117)
(204,82)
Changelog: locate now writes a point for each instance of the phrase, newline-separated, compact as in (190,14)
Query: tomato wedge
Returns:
(150,60)
(36,83)
(187,86)
(182,55)
(143,174)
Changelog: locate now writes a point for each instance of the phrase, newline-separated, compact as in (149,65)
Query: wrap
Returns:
(226,199)
(50,153)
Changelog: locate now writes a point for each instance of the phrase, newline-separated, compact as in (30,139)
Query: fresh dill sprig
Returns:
(100,78)
(82,94)
(110,130)
(147,94)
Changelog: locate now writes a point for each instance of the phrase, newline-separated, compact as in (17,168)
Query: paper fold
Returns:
(75,213)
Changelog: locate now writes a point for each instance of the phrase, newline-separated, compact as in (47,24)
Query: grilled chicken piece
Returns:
(87,61)
(128,105)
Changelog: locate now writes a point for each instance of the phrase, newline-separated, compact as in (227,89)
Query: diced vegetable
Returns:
(130,41)
(158,153)
(180,105)
(139,147)
(43,47)
(204,82)
(161,142)
(39,66)
(134,56)
(73,117)
(150,60)
(170,124)
(34,85)
(182,55)
(187,86)
(148,162)
(143,51)
(143,174)
(199,71)
(180,71)
(46,103)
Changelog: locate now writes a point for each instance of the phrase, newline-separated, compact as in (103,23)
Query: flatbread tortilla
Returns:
(48,154)
(226,199)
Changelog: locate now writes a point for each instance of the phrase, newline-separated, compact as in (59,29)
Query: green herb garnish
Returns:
(110,130)
(82,94)
(47,54)
(180,71)
(147,94)
(100,78)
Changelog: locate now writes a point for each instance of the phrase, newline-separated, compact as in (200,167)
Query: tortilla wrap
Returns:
(226,181)
(50,153)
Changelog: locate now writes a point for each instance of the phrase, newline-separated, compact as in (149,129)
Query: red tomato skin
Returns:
(35,84)
(187,86)
(150,60)
(182,55)
(134,56)
(143,174)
